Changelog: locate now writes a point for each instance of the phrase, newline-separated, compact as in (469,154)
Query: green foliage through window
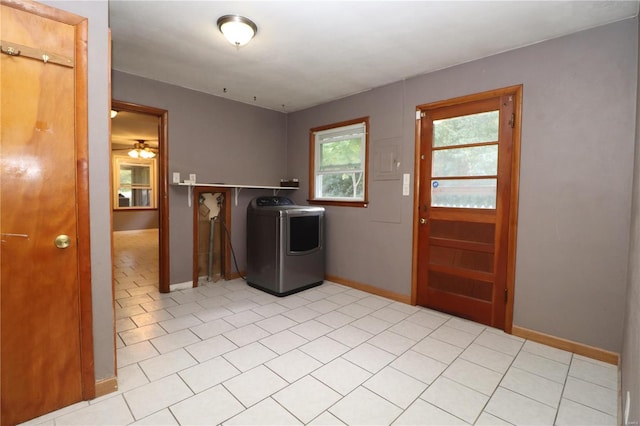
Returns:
(465,147)
(340,159)
(466,129)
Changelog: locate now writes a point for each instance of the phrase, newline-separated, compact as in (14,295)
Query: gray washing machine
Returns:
(285,245)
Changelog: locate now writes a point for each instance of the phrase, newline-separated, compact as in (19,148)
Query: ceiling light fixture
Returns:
(114,113)
(237,29)
(141,150)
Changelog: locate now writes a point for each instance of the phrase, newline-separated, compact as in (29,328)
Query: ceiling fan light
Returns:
(238,30)
(147,153)
(141,150)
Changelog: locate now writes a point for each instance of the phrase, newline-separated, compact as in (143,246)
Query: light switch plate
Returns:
(406,180)
(176,177)
(192,177)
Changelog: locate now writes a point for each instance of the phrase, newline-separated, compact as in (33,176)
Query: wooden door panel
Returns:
(464,307)
(463,208)
(459,258)
(40,309)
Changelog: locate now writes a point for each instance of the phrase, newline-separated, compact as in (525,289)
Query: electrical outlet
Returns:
(192,177)
(176,177)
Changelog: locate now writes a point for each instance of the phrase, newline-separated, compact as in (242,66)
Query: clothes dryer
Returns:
(285,245)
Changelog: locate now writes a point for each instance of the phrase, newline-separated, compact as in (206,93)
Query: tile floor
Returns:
(225,353)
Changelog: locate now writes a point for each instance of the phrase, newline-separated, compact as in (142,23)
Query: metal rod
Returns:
(211,235)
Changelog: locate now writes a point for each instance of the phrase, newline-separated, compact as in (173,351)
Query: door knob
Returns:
(423,221)
(62,241)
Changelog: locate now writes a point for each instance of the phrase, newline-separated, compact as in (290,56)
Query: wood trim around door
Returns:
(516,92)
(84,232)
(163,185)
(81,25)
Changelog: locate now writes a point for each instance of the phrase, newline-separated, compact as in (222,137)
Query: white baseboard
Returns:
(181,286)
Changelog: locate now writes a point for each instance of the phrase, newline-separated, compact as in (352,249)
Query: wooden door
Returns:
(46,340)
(464,207)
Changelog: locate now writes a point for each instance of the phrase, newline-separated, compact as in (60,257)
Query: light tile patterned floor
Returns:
(225,353)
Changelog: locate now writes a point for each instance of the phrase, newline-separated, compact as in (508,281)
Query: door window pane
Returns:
(464,193)
(466,129)
(470,161)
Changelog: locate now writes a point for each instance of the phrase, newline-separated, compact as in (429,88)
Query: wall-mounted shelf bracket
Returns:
(236,189)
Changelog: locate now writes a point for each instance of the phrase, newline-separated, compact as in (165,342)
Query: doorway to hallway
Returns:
(145,193)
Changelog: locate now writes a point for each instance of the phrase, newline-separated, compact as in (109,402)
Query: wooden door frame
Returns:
(163,186)
(81,26)
(516,92)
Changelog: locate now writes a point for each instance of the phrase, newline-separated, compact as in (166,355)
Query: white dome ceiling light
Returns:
(237,29)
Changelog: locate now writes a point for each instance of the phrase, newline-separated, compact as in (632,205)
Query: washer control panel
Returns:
(273,201)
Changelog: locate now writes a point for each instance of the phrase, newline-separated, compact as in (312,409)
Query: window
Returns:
(134,181)
(464,169)
(338,158)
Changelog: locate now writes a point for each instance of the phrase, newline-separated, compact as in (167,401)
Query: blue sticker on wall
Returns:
(435,184)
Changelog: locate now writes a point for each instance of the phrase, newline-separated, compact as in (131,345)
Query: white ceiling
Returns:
(309,52)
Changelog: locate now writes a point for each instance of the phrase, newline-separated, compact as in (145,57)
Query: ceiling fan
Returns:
(141,149)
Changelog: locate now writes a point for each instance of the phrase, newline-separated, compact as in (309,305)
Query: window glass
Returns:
(133,174)
(341,155)
(466,129)
(134,180)
(464,193)
(339,158)
(468,161)
(340,185)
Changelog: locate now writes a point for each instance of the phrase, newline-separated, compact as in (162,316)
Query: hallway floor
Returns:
(225,353)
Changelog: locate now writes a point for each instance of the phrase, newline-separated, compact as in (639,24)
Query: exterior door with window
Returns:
(464,207)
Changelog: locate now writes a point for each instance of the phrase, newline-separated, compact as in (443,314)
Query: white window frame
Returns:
(348,130)
(119,161)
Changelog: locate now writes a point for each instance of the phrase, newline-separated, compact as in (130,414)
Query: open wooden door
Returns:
(45,304)
(465,207)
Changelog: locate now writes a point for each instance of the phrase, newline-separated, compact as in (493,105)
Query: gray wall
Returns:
(631,347)
(124,220)
(575,182)
(99,180)
(219,140)
(575,177)
(368,245)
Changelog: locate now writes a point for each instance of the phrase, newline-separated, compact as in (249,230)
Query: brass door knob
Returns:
(62,241)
